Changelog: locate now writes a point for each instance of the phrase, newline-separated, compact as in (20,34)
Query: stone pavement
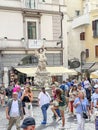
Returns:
(71,123)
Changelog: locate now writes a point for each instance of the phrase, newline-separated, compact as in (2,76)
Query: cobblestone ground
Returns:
(71,123)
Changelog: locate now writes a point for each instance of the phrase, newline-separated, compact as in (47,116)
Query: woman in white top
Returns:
(44,102)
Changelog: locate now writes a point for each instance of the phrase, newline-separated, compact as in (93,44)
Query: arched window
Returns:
(29,60)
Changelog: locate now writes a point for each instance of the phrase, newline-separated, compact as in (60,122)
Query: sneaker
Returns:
(43,122)
(58,119)
(62,128)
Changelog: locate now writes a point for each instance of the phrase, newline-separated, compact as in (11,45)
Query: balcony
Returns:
(81,20)
(39,43)
(11,43)
(30,44)
(35,4)
(94,6)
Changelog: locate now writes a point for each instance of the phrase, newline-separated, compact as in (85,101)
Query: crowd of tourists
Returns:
(80,99)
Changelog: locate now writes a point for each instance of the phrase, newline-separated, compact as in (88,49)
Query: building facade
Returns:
(82,32)
(25,26)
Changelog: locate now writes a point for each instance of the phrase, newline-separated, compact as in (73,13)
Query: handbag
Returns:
(84,113)
(85,116)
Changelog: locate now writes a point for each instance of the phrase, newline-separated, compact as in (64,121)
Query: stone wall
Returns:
(55,1)
(56,26)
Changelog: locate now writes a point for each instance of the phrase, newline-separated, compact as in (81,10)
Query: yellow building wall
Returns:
(90,41)
(73,5)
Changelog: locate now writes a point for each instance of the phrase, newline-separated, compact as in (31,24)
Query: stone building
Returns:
(82,32)
(25,25)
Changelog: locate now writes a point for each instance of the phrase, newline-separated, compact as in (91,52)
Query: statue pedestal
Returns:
(42,79)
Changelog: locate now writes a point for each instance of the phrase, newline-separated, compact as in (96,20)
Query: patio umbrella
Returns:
(94,75)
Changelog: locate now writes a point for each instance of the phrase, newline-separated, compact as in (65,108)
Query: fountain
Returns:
(42,76)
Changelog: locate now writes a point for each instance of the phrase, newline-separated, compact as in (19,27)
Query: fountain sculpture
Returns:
(42,77)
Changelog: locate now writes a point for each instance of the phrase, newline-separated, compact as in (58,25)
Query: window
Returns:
(32,34)
(29,60)
(82,36)
(77,12)
(96,51)
(30,3)
(87,53)
(54,59)
(95,28)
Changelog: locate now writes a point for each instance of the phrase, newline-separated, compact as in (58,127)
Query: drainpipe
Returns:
(61,36)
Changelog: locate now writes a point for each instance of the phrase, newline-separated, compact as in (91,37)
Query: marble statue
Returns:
(42,59)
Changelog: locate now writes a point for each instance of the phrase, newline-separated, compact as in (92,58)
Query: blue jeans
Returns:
(44,111)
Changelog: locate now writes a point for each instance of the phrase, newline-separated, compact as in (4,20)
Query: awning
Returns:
(52,70)
(94,75)
(95,66)
(88,65)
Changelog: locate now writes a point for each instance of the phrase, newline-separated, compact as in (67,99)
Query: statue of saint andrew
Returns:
(42,59)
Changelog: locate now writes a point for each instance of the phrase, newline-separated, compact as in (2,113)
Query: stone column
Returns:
(5,77)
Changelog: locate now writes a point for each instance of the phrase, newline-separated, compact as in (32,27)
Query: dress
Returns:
(27,106)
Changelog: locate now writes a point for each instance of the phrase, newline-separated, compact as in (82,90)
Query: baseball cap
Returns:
(27,122)
(96,86)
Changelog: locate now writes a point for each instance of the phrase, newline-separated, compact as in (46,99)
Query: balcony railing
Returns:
(35,4)
(39,43)
(30,44)
(94,6)
(11,43)
(81,20)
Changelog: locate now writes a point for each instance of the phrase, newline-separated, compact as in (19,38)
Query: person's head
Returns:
(18,88)
(85,78)
(81,95)
(58,92)
(15,95)
(63,82)
(79,86)
(53,87)
(28,123)
(40,50)
(74,88)
(43,89)
(27,89)
(96,88)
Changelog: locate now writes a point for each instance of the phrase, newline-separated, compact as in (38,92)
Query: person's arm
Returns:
(76,103)
(30,97)
(21,107)
(7,114)
(92,104)
(22,96)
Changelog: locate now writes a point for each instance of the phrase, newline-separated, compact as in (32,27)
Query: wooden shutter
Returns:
(96,51)
(94,25)
(82,36)
(87,53)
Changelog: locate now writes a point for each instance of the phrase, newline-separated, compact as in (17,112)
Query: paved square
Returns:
(71,123)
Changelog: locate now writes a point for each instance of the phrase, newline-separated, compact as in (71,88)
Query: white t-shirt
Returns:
(86,84)
(14,109)
(44,98)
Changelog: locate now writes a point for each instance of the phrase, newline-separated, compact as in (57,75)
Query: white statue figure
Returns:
(42,59)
